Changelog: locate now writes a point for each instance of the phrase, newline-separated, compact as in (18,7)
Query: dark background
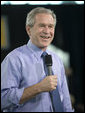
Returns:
(69,36)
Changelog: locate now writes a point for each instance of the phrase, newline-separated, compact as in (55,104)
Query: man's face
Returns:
(42,33)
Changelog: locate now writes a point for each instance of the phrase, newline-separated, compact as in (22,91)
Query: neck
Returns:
(43,48)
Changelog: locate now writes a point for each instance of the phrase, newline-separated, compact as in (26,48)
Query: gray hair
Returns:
(30,20)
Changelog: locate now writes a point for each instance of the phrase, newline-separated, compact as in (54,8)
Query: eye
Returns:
(41,25)
(51,26)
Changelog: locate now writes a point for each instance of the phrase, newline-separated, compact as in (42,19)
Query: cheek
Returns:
(53,34)
(33,33)
(36,32)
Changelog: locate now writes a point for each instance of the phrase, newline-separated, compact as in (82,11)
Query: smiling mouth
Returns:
(45,37)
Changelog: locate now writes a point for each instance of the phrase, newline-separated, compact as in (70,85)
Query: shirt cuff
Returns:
(15,98)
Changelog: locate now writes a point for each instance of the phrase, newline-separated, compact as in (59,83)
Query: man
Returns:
(25,86)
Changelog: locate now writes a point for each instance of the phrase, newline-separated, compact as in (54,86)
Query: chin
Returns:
(44,46)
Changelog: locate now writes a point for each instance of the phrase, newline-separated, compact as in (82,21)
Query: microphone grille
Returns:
(48,60)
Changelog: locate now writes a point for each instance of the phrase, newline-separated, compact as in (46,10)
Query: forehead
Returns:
(44,18)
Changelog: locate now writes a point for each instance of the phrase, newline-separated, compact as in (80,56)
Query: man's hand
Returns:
(49,83)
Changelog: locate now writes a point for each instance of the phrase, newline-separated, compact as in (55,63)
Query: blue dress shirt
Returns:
(23,67)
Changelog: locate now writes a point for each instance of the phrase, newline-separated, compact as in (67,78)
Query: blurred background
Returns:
(68,42)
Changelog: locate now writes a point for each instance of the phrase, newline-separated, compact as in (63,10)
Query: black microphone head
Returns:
(48,60)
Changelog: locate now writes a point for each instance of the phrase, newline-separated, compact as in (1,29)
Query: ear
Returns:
(28,30)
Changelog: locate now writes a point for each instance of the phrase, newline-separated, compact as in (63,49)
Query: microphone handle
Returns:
(49,68)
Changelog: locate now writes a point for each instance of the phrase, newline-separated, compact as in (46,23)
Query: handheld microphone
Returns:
(55,93)
(48,62)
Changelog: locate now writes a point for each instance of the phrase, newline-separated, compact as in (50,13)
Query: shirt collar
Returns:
(36,51)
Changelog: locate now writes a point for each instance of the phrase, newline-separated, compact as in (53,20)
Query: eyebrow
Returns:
(46,24)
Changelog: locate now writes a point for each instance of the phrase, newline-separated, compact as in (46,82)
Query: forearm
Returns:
(14,96)
(46,85)
(30,92)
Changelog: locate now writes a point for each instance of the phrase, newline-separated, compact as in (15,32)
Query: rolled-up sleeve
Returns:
(11,91)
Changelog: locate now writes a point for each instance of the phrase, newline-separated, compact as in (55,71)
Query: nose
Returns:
(46,30)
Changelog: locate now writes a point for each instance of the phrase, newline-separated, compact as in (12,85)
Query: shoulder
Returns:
(15,54)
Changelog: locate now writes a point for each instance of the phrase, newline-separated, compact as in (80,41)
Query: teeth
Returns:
(44,37)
